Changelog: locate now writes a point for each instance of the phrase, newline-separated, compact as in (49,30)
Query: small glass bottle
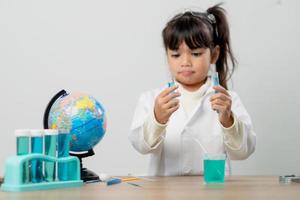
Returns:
(36,147)
(50,150)
(22,148)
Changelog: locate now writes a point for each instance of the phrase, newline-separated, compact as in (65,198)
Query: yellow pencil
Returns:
(130,179)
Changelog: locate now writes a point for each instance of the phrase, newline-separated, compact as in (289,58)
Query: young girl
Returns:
(170,122)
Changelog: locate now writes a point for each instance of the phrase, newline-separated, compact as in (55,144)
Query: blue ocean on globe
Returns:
(83,116)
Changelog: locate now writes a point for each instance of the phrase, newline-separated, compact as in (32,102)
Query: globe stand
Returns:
(86,174)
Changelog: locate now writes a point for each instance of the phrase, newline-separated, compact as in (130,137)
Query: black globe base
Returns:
(89,176)
(86,175)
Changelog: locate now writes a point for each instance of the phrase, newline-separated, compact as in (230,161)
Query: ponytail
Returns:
(222,38)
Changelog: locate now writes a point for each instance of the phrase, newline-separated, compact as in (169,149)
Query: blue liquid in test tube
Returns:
(63,151)
(22,137)
(50,150)
(170,84)
(36,147)
(215,79)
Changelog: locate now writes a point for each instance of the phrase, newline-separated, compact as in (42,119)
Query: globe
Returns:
(83,116)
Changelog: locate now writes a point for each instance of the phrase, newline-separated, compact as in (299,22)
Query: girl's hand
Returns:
(221,102)
(166,104)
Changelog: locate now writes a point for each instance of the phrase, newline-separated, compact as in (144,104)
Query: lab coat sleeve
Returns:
(145,135)
(239,139)
(153,130)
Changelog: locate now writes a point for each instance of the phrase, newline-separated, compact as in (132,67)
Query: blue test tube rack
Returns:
(13,178)
(16,168)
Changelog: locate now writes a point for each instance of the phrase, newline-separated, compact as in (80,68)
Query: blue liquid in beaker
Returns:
(214,171)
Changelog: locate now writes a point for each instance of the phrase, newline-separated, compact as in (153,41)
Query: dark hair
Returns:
(203,30)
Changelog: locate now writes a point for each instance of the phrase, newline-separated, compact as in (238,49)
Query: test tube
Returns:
(50,150)
(215,79)
(22,144)
(172,82)
(63,151)
(36,147)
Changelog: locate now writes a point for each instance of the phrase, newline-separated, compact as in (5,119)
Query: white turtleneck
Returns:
(189,100)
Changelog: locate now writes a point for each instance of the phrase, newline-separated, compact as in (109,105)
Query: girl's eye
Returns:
(196,54)
(175,55)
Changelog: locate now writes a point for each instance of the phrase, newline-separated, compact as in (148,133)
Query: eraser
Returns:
(113,181)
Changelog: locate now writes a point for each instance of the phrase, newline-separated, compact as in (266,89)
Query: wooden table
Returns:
(183,188)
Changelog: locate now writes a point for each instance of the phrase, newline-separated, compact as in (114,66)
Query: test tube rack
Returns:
(13,177)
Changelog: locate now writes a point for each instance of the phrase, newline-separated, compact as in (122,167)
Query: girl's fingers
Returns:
(218,107)
(221,96)
(220,102)
(168,91)
(170,97)
(172,103)
(221,89)
(173,109)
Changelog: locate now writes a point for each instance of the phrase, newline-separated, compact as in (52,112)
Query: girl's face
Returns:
(190,67)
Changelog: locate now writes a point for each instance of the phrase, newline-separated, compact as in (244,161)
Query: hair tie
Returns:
(211,18)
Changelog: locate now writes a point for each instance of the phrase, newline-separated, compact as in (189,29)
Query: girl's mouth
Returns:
(186,73)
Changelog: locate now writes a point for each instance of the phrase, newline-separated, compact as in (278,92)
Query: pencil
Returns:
(130,179)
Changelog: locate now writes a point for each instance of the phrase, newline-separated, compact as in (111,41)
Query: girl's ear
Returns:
(215,54)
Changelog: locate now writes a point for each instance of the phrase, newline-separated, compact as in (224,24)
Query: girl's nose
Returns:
(186,61)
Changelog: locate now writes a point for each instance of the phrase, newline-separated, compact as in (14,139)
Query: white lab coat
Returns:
(177,153)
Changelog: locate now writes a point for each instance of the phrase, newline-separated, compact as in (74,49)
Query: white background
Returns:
(113,50)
